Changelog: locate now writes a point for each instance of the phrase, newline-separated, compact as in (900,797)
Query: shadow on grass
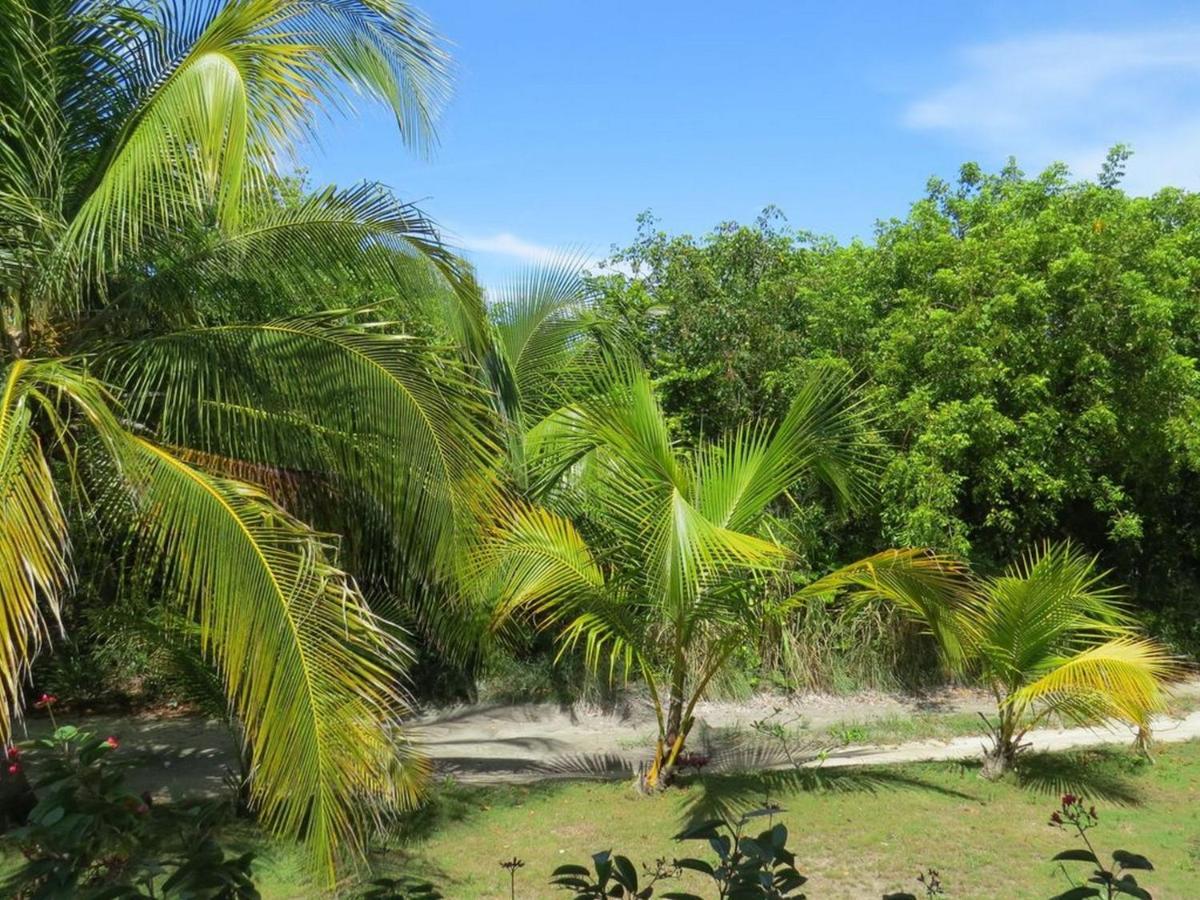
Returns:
(1100,774)
(729,796)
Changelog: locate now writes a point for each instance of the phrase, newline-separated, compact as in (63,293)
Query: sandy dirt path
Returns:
(189,755)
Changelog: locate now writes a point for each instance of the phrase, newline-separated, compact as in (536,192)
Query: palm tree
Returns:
(647,557)
(1050,639)
(138,195)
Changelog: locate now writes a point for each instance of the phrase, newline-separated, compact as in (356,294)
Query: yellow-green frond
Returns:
(1123,678)
(34,565)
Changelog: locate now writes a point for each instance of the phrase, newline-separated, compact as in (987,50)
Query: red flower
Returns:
(14,769)
(1069,799)
(1055,818)
(46,700)
(12,753)
(112,741)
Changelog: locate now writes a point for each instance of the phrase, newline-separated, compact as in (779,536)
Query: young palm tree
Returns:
(138,196)
(1049,639)
(650,559)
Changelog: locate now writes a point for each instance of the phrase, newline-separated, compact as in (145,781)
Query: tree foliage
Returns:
(1030,342)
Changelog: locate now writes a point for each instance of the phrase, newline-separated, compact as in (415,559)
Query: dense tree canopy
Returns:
(1031,343)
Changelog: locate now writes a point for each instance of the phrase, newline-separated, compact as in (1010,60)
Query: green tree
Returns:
(648,556)
(1030,342)
(137,196)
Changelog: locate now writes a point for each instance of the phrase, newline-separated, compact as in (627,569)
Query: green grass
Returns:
(856,833)
(899,729)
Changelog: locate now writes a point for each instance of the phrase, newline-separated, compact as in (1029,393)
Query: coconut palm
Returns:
(138,203)
(647,557)
(1051,640)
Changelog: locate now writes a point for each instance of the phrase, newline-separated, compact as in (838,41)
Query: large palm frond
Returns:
(821,435)
(548,340)
(310,672)
(300,251)
(182,108)
(34,564)
(383,416)
(927,587)
(1050,603)
(1121,678)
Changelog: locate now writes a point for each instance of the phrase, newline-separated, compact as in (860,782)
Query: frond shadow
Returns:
(1094,774)
(729,796)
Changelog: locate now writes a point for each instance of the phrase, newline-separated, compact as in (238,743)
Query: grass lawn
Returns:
(856,833)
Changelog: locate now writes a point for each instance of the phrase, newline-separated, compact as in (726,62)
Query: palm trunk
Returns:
(670,744)
(1001,756)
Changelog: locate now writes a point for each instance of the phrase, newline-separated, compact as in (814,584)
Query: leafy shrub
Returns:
(747,868)
(87,837)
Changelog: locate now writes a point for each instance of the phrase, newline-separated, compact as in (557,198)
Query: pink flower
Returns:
(112,741)
(142,809)
(14,769)
(12,753)
(46,700)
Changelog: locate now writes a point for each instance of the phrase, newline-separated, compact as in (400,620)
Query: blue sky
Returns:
(569,118)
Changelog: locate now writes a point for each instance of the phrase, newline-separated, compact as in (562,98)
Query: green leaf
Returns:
(1078,855)
(1077,893)
(696,865)
(1127,884)
(1127,860)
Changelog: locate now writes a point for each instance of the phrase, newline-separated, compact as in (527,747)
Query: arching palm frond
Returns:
(212,92)
(301,250)
(381,415)
(1051,602)
(310,672)
(928,587)
(1122,679)
(820,436)
(546,323)
(308,668)
(34,564)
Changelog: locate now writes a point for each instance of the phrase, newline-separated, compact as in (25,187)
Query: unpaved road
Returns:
(188,755)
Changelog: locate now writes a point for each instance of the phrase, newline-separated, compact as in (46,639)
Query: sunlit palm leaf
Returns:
(377,413)
(214,91)
(310,672)
(930,588)
(309,669)
(821,437)
(1122,678)
(34,567)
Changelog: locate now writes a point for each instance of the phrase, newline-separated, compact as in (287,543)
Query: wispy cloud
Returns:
(1071,96)
(509,245)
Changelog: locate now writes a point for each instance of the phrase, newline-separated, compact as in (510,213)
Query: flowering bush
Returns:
(1074,815)
(86,836)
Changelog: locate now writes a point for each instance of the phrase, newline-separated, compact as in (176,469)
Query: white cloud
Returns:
(506,244)
(1071,96)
